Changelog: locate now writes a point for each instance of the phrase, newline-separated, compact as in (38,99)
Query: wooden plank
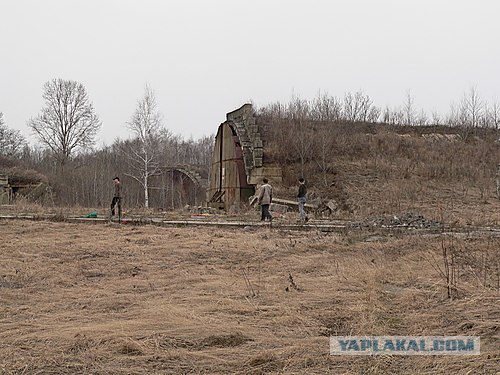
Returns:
(292,203)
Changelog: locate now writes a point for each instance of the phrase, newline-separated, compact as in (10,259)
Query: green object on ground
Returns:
(93,214)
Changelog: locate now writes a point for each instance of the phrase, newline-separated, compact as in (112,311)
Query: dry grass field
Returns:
(121,299)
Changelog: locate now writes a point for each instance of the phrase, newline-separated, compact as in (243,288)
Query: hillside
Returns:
(381,169)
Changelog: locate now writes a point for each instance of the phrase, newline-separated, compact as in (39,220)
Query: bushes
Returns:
(381,167)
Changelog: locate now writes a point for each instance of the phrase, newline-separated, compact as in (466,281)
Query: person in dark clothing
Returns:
(265,199)
(301,198)
(117,198)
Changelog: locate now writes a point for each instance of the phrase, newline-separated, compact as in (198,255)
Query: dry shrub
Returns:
(82,343)
(264,363)
(130,348)
(24,205)
(465,266)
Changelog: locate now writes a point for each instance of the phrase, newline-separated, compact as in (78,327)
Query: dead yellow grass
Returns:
(111,299)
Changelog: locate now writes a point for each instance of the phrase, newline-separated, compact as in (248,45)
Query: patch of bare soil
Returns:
(117,299)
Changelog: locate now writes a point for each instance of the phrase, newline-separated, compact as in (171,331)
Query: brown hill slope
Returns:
(378,169)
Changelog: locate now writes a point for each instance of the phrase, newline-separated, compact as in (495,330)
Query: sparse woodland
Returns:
(384,167)
(368,159)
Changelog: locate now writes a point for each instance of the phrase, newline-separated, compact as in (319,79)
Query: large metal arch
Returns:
(245,144)
(189,173)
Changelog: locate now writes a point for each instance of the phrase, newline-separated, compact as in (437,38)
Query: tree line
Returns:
(471,111)
(81,175)
(67,125)
(311,138)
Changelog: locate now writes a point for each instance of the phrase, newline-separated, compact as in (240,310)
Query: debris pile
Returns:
(410,219)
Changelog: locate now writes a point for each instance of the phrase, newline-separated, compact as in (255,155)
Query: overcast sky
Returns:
(205,58)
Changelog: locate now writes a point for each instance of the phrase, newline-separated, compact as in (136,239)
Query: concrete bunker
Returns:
(22,184)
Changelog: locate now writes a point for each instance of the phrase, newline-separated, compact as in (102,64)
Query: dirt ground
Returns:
(121,299)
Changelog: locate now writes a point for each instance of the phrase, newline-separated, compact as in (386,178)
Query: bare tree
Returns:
(469,114)
(373,114)
(324,151)
(143,150)
(302,135)
(409,110)
(393,116)
(387,117)
(493,114)
(68,121)
(359,108)
(436,118)
(326,108)
(351,107)
(453,117)
(421,119)
(474,107)
(11,141)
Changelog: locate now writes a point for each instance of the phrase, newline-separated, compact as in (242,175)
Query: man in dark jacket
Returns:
(301,198)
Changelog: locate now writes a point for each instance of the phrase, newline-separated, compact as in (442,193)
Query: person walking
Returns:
(117,198)
(265,199)
(301,198)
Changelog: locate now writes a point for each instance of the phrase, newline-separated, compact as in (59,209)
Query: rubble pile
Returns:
(410,219)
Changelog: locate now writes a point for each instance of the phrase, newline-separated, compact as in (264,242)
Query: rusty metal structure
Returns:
(238,164)
(189,182)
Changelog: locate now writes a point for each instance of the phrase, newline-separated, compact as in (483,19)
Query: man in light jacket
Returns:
(117,199)
(265,199)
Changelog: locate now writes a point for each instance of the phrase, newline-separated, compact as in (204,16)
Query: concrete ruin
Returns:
(190,181)
(33,191)
(238,162)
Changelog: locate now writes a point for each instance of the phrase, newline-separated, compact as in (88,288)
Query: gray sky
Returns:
(205,58)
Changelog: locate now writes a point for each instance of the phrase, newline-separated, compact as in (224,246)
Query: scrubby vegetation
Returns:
(379,167)
(367,159)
